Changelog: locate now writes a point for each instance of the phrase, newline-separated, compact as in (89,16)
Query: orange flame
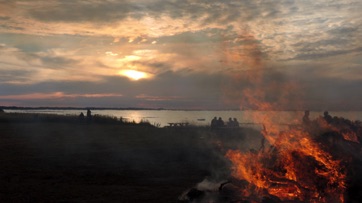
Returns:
(294,168)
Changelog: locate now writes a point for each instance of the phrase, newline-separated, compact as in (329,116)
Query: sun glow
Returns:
(134,74)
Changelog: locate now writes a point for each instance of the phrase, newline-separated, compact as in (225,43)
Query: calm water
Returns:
(163,117)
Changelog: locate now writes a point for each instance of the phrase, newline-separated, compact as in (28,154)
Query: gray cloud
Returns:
(344,31)
(337,40)
(4,18)
(35,43)
(325,53)
(201,36)
(110,11)
(80,11)
(57,61)
(9,27)
(13,75)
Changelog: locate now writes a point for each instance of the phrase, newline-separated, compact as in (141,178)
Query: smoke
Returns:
(255,82)
(203,192)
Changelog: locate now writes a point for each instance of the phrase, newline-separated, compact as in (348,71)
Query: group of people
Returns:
(218,122)
(306,120)
(89,115)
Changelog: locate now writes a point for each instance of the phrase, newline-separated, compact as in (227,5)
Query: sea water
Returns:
(201,118)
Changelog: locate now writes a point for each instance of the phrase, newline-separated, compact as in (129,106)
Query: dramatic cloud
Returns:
(178,43)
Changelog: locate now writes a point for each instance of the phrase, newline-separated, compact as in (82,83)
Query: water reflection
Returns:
(163,117)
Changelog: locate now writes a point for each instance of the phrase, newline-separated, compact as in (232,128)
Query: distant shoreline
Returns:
(78,108)
(112,108)
(161,109)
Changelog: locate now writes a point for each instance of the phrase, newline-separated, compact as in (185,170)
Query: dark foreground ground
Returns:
(72,161)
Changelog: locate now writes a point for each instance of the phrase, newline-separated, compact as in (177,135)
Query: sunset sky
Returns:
(181,54)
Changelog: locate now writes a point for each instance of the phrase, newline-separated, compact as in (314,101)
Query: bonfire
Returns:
(312,162)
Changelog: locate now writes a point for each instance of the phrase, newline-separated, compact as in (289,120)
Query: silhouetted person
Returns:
(236,122)
(327,117)
(220,122)
(89,115)
(306,120)
(230,123)
(81,116)
(214,122)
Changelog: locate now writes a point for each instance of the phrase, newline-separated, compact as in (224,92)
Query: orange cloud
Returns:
(55,95)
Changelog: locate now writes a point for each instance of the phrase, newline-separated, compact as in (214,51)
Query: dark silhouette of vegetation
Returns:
(80,119)
(52,158)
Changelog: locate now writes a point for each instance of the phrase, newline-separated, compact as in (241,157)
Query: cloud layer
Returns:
(316,44)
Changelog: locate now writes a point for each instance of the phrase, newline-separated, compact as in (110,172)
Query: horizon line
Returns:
(160,108)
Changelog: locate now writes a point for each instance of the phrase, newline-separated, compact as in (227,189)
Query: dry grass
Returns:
(48,158)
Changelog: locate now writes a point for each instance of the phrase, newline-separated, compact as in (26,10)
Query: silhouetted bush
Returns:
(104,119)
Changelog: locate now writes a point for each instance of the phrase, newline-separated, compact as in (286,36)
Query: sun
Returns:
(134,74)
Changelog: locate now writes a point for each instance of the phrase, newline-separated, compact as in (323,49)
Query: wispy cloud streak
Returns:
(55,95)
